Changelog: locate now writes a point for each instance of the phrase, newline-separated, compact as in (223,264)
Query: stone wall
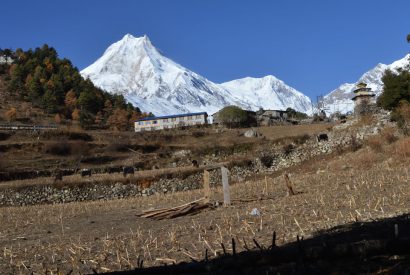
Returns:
(53,194)
(340,138)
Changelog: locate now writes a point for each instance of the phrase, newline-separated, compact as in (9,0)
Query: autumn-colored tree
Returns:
(118,120)
(75,115)
(11,114)
(98,118)
(57,118)
(70,99)
(107,106)
(134,116)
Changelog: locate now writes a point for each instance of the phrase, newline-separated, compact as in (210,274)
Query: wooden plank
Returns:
(225,186)
(148,213)
(207,187)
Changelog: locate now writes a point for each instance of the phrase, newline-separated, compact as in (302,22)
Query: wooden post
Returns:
(207,188)
(289,185)
(225,185)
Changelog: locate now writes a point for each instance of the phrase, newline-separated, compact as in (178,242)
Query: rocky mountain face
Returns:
(134,68)
(340,98)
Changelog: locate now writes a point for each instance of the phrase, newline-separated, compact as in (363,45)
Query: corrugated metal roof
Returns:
(171,116)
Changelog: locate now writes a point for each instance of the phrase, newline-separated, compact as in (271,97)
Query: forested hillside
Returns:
(56,87)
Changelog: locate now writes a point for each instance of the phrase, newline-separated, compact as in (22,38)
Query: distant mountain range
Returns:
(340,98)
(134,68)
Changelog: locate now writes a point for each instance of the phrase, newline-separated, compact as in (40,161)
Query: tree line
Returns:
(53,84)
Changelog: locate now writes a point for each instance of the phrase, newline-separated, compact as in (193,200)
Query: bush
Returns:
(4,136)
(267,160)
(402,116)
(301,139)
(232,116)
(354,144)
(117,147)
(388,135)
(402,147)
(58,148)
(375,143)
(288,148)
(198,134)
(66,134)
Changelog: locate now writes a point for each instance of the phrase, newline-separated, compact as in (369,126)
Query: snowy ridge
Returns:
(268,93)
(340,98)
(134,68)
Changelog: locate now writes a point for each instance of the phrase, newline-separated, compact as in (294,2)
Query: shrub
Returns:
(267,159)
(402,147)
(11,114)
(375,143)
(232,116)
(388,135)
(198,134)
(402,116)
(288,148)
(117,147)
(67,134)
(4,136)
(58,148)
(354,144)
(301,139)
(79,147)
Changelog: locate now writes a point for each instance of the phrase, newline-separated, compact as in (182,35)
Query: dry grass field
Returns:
(364,185)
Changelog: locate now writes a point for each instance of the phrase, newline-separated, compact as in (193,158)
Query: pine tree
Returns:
(49,102)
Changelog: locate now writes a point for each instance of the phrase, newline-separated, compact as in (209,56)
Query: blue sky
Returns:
(313,46)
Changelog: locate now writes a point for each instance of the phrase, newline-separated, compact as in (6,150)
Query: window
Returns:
(155,122)
(165,119)
(174,119)
(140,123)
(147,122)
(189,118)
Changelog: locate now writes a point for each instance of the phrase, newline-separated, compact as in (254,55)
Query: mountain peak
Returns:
(134,68)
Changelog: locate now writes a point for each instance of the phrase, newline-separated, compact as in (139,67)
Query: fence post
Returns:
(207,188)
(225,185)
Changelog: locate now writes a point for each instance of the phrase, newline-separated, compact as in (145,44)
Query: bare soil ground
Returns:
(365,185)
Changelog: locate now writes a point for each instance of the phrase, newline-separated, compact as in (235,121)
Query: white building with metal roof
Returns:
(171,121)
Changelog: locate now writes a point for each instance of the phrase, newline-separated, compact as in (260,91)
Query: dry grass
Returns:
(106,236)
(402,148)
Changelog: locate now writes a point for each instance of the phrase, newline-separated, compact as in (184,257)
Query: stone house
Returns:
(270,117)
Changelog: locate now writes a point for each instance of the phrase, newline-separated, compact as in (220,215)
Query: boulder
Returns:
(251,133)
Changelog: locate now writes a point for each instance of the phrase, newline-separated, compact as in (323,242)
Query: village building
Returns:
(270,117)
(364,99)
(171,121)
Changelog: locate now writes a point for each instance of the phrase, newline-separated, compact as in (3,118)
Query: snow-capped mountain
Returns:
(134,68)
(268,93)
(340,98)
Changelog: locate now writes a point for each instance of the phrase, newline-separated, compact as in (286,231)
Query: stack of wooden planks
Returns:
(189,208)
